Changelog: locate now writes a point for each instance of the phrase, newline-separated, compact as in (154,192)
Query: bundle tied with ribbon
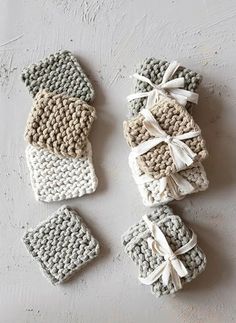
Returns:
(165,251)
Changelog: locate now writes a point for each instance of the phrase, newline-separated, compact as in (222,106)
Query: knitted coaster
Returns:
(62,244)
(154,70)
(59,73)
(60,124)
(160,260)
(155,192)
(174,120)
(56,178)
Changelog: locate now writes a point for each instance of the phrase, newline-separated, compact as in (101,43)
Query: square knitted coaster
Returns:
(59,73)
(154,70)
(62,244)
(168,138)
(165,251)
(60,124)
(55,178)
(155,192)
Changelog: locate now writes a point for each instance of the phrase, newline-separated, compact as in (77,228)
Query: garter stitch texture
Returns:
(60,124)
(177,235)
(59,73)
(150,188)
(174,120)
(55,178)
(154,70)
(62,244)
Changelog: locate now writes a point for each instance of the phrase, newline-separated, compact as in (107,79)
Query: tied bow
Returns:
(167,88)
(181,154)
(172,267)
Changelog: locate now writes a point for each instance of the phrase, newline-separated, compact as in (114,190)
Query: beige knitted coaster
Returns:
(60,124)
(174,120)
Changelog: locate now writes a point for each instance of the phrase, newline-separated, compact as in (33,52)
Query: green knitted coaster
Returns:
(59,73)
(62,244)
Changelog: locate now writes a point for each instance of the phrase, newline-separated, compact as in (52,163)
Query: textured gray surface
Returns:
(110,37)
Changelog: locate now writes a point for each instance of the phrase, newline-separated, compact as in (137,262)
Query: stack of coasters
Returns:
(165,251)
(58,127)
(166,144)
(62,245)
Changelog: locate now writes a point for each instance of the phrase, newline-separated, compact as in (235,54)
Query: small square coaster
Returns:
(62,244)
(154,70)
(60,124)
(140,244)
(155,192)
(55,178)
(174,120)
(58,73)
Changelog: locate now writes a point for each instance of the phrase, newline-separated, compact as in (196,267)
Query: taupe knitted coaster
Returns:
(60,124)
(174,120)
(154,70)
(59,73)
(62,244)
(139,243)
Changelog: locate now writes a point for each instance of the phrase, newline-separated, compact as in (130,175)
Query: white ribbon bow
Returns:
(167,88)
(172,267)
(181,154)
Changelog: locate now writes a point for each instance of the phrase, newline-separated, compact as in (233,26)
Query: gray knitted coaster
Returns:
(59,73)
(135,242)
(62,244)
(154,70)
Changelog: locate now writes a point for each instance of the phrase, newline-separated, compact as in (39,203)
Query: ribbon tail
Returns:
(179,186)
(166,273)
(181,154)
(179,98)
(152,99)
(175,279)
(154,276)
(162,186)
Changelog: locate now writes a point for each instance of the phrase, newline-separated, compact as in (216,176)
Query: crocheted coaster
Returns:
(55,178)
(175,187)
(62,244)
(174,120)
(158,261)
(154,70)
(59,73)
(60,124)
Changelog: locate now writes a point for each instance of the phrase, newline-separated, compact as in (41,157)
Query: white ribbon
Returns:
(167,88)
(181,154)
(172,267)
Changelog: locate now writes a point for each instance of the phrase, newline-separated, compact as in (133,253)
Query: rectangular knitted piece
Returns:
(62,244)
(154,70)
(59,73)
(150,189)
(55,178)
(174,120)
(60,124)
(137,246)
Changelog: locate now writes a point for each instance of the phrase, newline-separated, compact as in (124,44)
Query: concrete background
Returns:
(110,37)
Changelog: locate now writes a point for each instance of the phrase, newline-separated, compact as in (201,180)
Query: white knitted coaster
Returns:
(56,178)
(62,244)
(152,193)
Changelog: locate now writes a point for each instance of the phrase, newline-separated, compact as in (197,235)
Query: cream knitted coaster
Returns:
(55,178)
(164,139)
(155,192)
(60,124)
(154,70)
(62,244)
(59,73)
(165,251)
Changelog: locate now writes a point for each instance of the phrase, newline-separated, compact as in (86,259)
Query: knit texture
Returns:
(60,124)
(177,235)
(55,178)
(154,70)
(62,244)
(59,73)
(149,188)
(174,120)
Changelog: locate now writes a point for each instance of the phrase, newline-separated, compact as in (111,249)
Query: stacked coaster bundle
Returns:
(59,154)
(167,150)
(166,144)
